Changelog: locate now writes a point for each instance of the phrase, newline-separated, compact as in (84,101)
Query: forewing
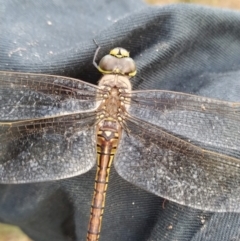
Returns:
(176,170)
(211,124)
(28,96)
(47,149)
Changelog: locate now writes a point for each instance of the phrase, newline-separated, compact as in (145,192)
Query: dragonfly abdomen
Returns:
(106,148)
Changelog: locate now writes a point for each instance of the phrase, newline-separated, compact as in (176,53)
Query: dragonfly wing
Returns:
(208,123)
(27,96)
(177,170)
(47,149)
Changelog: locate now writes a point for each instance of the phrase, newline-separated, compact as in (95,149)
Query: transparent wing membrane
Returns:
(47,149)
(30,96)
(208,123)
(47,127)
(177,170)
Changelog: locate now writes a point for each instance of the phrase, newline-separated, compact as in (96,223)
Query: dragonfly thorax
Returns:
(112,107)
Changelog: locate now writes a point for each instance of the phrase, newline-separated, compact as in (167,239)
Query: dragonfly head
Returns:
(118,62)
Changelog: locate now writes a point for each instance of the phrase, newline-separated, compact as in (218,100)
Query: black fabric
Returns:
(185,48)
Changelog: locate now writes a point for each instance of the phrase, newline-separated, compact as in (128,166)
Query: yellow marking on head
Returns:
(104,71)
(119,52)
(132,73)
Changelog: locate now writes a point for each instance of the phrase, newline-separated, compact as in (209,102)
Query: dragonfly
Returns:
(182,147)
